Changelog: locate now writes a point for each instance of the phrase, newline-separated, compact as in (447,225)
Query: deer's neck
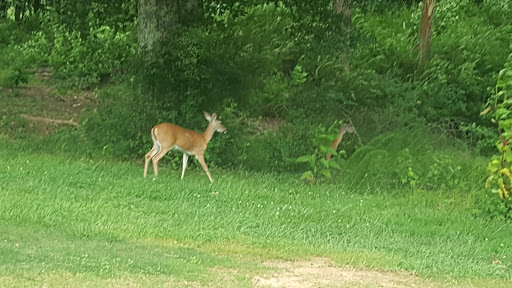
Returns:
(341,133)
(208,133)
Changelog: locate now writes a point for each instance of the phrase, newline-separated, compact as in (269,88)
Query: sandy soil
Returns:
(321,272)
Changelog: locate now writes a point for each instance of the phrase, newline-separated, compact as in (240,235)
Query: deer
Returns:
(167,136)
(345,128)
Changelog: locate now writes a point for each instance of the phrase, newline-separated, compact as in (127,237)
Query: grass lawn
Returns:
(79,222)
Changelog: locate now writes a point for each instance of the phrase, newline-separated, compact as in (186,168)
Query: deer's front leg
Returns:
(200,158)
(185,159)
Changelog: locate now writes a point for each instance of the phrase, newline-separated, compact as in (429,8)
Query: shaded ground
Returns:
(40,108)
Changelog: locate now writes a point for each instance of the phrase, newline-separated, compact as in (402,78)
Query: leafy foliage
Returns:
(115,136)
(15,78)
(500,179)
(411,157)
(318,164)
(83,63)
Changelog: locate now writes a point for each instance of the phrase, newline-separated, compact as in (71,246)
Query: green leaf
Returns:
(305,158)
(324,162)
(326,173)
(322,137)
(501,112)
(501,83)
(307,175)
(492,168)
(506,124)
(508,156)
(333,164)
(499,145)
(332,151)
(327,149)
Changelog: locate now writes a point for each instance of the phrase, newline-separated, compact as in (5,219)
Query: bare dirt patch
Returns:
(259,126)
(322,272)
(43,108)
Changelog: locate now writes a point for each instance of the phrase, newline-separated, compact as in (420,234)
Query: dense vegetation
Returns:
(421,181)
(279,73)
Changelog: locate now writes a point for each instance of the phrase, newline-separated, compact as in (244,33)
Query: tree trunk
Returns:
(156,18)
(37,6)
(56,5)
(427,18)
(3,9)
(18,10)
(344,7)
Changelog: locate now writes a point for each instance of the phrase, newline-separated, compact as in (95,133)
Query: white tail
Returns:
(167,136)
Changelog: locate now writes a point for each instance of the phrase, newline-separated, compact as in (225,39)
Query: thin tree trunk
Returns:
(18,10)
(3,9)
(56,5)
(37,6)
(344,7)
(427,18)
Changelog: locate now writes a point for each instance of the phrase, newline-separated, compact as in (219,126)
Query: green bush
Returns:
(15,77)
(79,60)
(280,149)
(83,63)
(113,127)
(412,157)
(499,180)
(319,166)
(467,52)
(245,146)
(253,60)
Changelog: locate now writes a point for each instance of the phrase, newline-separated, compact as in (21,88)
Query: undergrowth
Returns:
(415,157)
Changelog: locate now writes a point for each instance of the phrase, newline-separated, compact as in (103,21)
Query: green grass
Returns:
(68,220)
(37,255)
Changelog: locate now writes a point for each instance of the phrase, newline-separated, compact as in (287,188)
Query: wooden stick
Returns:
(49,120)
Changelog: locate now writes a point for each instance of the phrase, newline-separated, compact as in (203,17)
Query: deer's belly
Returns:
(176,147)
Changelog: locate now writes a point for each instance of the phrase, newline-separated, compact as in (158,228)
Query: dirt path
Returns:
(321,272)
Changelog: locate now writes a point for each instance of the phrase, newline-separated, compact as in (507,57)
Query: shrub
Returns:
(115,129)
(499,181)
(411,157)
(318,164)
(15,78)
(83,63)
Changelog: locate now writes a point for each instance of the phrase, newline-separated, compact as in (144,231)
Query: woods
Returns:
(279,73)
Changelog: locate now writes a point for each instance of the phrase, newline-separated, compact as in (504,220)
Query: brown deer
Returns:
(345,128)
(167,136)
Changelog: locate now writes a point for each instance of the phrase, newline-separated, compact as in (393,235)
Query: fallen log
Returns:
(50,120)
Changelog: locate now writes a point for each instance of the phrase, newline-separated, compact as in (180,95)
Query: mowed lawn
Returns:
(67,221)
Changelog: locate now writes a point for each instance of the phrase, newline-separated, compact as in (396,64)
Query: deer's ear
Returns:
(214,116)
(207,116)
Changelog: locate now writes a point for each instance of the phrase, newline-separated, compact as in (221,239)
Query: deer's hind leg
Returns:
(154,150)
